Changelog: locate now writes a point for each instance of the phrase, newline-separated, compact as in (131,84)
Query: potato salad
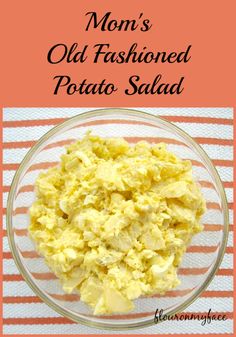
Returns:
(113,220)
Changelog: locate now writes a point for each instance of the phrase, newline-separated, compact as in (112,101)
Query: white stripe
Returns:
(14,114)
(220,283)
(7,177)
(226,173)
(211,217)
(33,310)
(194,112)
(229,194)
(230,242)
(26,198)
(191,260)
(210,239)
(10,268)
(207,130)
(218,151)
(200,173)
(24,133)
(16,155)
(201,239)
(18,114)
(30,133)
(145,305)
(164,328)
(24,244)
(21,288)
(214,216)
(21,221)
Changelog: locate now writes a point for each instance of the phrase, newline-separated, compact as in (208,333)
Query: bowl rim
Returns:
(96,113)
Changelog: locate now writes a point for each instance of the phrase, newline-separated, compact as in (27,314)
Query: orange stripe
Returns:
(64,320)
(66,297)
(38,276)
(46,165)
(27,255)
(182,271)
(24,210)
(213,228)
(145,314)
(207,293)
(30,188)
(29,299)
(59,143)
(225,272)
(18,210)
(199,120)
(207,249)
(56,121)
(215,205)
(18,145)
(73,297)
(200,271)
(217,293)
(228,184)
(207,228)
(32,122)
(25,188)
(191,249)
(213,141)
(18,232)
(38,166)
(30,143)
(221,162)
(200,140)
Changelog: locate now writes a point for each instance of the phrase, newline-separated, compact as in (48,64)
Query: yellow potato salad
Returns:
(113,220)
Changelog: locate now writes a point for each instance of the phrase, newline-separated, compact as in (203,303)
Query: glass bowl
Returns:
(202,258)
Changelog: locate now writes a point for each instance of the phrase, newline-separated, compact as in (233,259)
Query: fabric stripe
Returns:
(208,219)
(181,271)
(30,188)
(176,119)
(14,167)
(36,299)
(165,328)
(61,320)
(219,283)
(119,127)
(12,310)
(14,114)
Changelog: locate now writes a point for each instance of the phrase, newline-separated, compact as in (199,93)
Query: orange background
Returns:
(33,27)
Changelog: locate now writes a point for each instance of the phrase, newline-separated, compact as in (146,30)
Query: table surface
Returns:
(23,312)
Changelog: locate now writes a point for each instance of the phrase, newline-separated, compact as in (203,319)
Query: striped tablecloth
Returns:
(23,312)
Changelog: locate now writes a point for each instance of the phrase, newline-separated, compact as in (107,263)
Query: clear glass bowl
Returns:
(202,258)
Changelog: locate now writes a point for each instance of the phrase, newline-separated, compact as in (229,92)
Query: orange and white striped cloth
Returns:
(24,313)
